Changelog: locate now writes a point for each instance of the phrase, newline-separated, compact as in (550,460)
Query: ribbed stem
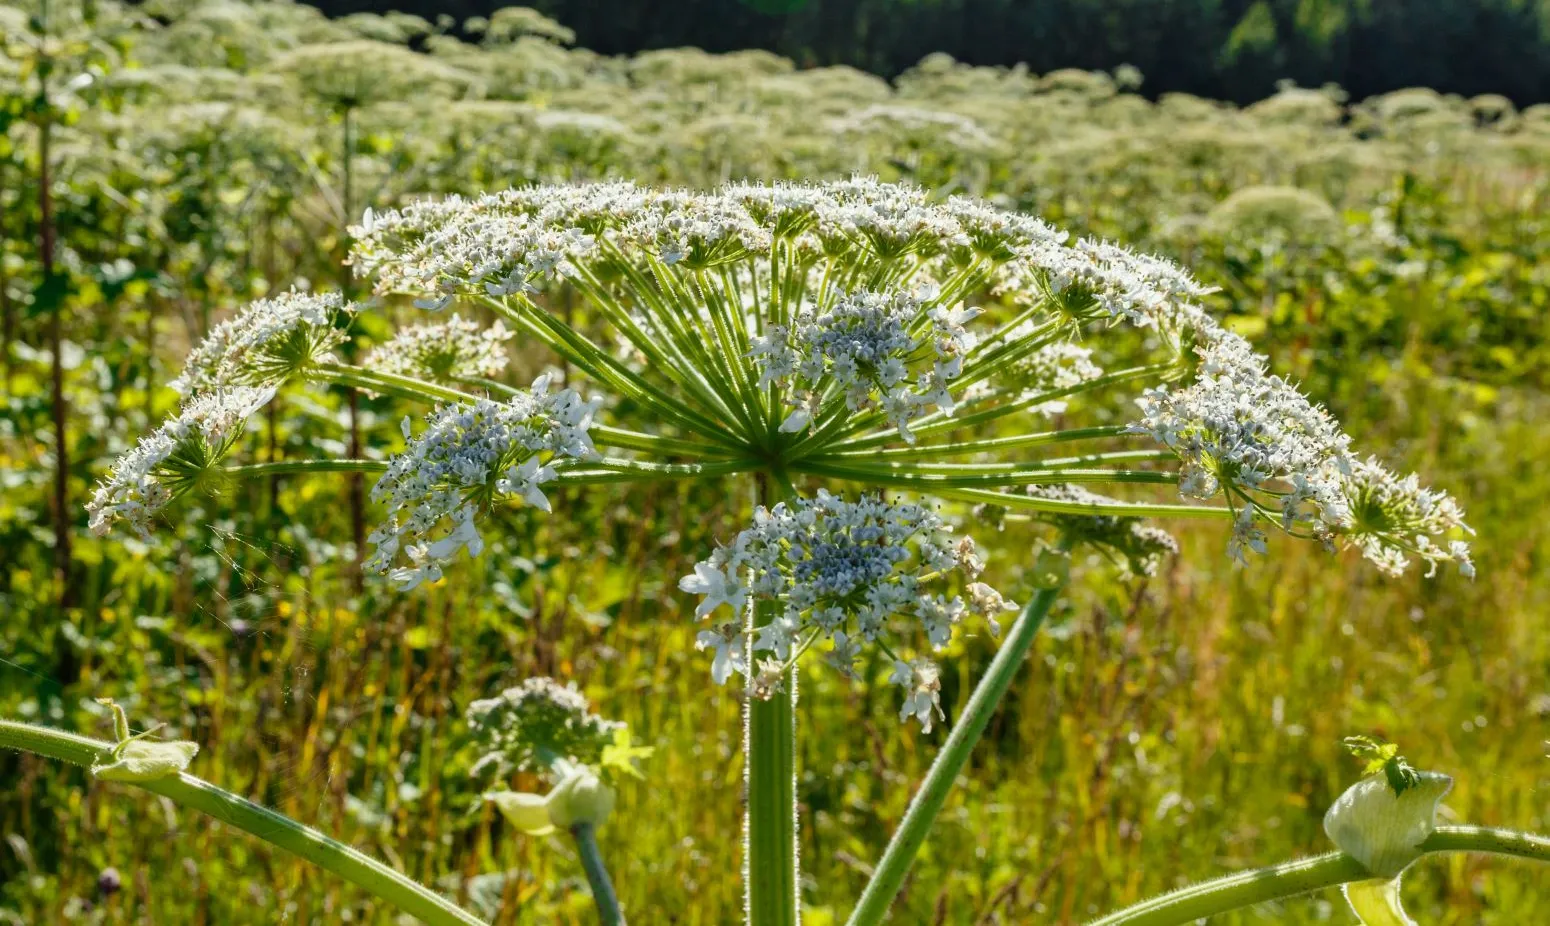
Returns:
(1290,879)
(770,857)
(367,873)
(927,803)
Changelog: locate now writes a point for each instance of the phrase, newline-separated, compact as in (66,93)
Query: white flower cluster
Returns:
(850,293)
(1137,547)
(839,571)
(467,457)
(1056,368)
(442,249)
(950,131)
(267,341)
(528,727)
(448,350)
(502,243)
(1097,280)
(1393,518)
(173,458)
(1240,430)
(865,346)
(700,231)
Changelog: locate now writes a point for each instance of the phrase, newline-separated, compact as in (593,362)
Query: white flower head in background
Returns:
(175,458)
(267,342)
(445,351)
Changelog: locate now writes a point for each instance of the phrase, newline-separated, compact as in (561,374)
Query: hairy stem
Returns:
(769,754)
(367,873)
(888,877)
(1290,879)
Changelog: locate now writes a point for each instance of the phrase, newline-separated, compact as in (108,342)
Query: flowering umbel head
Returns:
(469,457)
(846,574)
(874,349)
(268,342)
(182,454)
(451,350)
(811,323)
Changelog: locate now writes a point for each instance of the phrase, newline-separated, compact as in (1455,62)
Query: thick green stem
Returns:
(770,857)
(608,911)
(1290,879)
(367,873)
(927,803)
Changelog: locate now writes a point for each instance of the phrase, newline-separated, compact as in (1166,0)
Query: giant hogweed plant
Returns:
(872,365)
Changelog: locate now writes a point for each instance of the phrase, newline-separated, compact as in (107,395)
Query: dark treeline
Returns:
(1227,49)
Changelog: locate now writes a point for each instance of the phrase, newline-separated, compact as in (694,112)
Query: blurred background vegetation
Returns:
(1388,250)
(1225,49)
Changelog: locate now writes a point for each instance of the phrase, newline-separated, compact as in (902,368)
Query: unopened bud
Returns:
(580,797)
(1383,830)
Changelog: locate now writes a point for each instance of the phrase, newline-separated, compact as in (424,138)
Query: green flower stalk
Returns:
(542,726)
(1383,824)
(876,363)
(158,767)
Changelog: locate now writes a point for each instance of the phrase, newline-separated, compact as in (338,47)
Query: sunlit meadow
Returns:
(691,489)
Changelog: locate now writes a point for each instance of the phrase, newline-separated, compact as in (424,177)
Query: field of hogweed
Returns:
(552,477)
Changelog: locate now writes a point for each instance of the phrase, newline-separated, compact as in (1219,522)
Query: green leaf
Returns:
(621,754)
(49,295)
(527,812)
(146,760)
(1384,757)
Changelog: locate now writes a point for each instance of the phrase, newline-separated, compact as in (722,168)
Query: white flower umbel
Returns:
(868,347)
(845,572)
(174,458)
(450,350)
(267,342)
(811,324)
(1394,518)
(468,457)
(1278,458)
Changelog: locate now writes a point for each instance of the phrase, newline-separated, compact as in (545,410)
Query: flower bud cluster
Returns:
(840,572)
(528,727)
(267,342)
(450,350)
(173,458)
(469,456)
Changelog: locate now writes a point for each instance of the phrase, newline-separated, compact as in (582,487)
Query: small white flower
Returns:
(796,421)
(921,679)
(717,587)
(730,646)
